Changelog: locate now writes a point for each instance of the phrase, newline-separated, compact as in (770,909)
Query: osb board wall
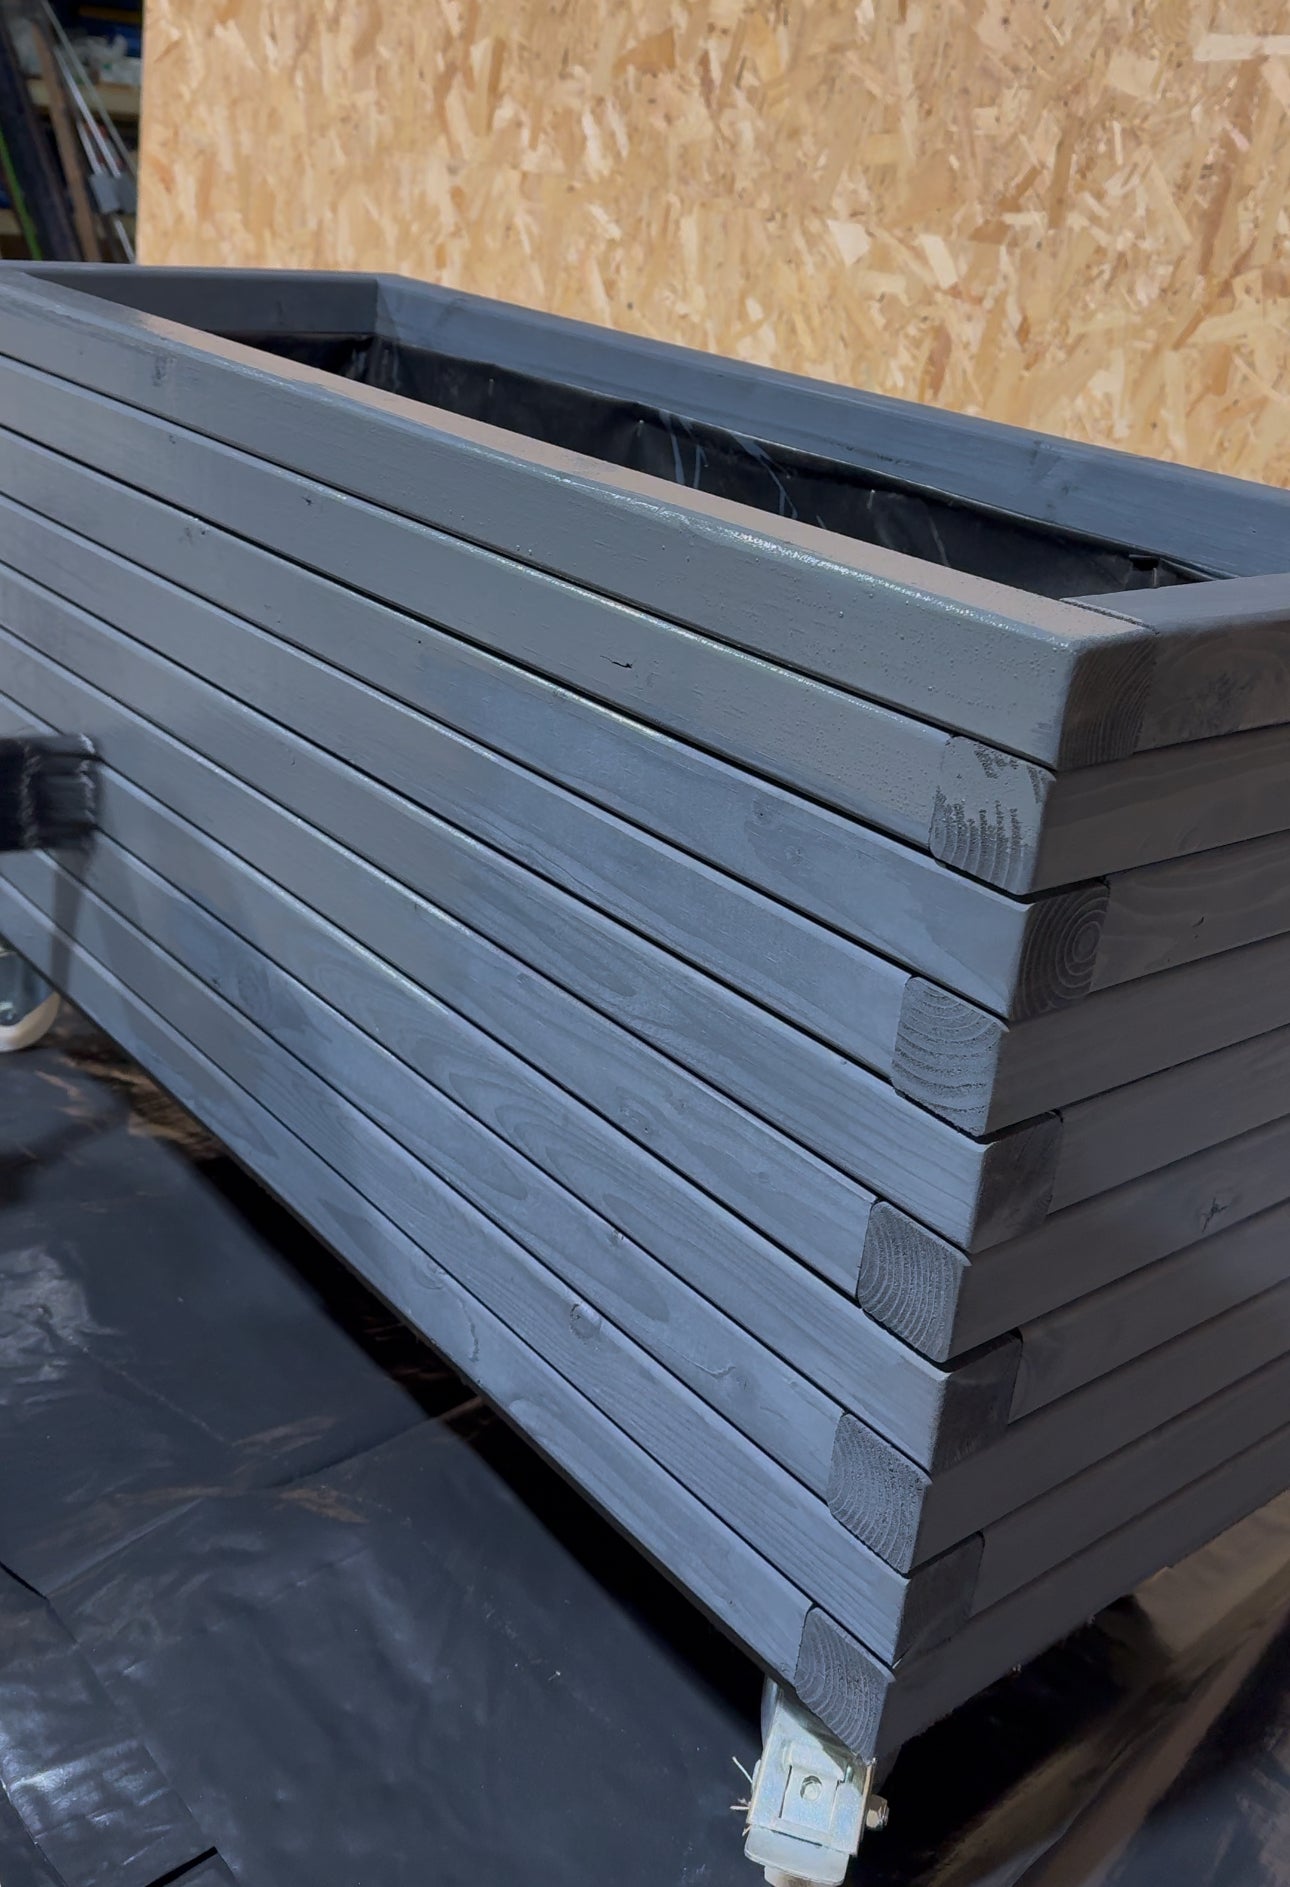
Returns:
(1071,216)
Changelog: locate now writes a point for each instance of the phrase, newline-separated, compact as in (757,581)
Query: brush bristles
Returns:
(47,791)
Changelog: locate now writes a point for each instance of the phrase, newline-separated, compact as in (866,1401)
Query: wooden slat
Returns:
(1165,804)
(484,1112)
(912,1516)
(880,1713)
(808,1207)
(1186,908)
(263,301)
(1168,1116)
(946,1303)
(1030,1540)
(1017,959)
(733,1477)
(984,1074)
(1034,676)
(1108,1328)
(965,1188)
(1222,652)
(730,1579)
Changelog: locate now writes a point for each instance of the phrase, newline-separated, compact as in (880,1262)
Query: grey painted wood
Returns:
(1197,518)
(1163,805)
(742,1485)
(848,996)
(983,1074)
(1050,680)
(355,1021)
(984,812)
(1222,660)
(725,1575)
(1194,517)
(1167,1116)
(964,1188)
(948,1055)
(699,1343)
(1098,1333)
(1026,829)
(1028,1542)
(911,1516)
(875,1713)
(850,753)
(945,1303)
(1017,959)
(808,1207)
(252,301)
(1182,909)
(1032,1539)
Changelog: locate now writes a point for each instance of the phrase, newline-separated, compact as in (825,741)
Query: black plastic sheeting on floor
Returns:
(282,1604)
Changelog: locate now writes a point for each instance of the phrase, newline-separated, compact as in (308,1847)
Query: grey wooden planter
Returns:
(756,916)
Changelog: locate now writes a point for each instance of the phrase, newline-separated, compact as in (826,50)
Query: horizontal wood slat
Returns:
(748,1490)
(976,1190)
(912,1516)
(730,571)
(1011,957)
(808,1207)
(944,1302)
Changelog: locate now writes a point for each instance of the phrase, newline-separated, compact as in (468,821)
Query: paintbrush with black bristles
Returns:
(48,791)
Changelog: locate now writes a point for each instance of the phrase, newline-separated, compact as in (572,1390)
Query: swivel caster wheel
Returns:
(28,1006)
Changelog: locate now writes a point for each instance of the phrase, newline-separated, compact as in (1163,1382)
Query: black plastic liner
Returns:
(758,473)
(282,1605)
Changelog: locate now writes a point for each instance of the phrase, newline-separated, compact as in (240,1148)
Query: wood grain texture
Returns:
(840,1111)
(726,1576)
(1222,657)
(919,637)
(885,1709)
(926,1514)
(355,1022)
(915,1282)
(1102,1331)
(629,164)
(990,816)
(983,1074)
(945,1302)
(848,996)
(808,1207)
(1015,959)
(1163,805)
(1181,909)
(1167,1116)
(794,1530)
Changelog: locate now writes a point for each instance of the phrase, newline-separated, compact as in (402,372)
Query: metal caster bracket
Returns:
(811,1800)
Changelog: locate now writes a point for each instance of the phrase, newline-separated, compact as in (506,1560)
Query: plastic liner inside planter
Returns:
(745,470)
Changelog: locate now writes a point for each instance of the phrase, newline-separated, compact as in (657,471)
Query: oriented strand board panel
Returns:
(1069,218)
